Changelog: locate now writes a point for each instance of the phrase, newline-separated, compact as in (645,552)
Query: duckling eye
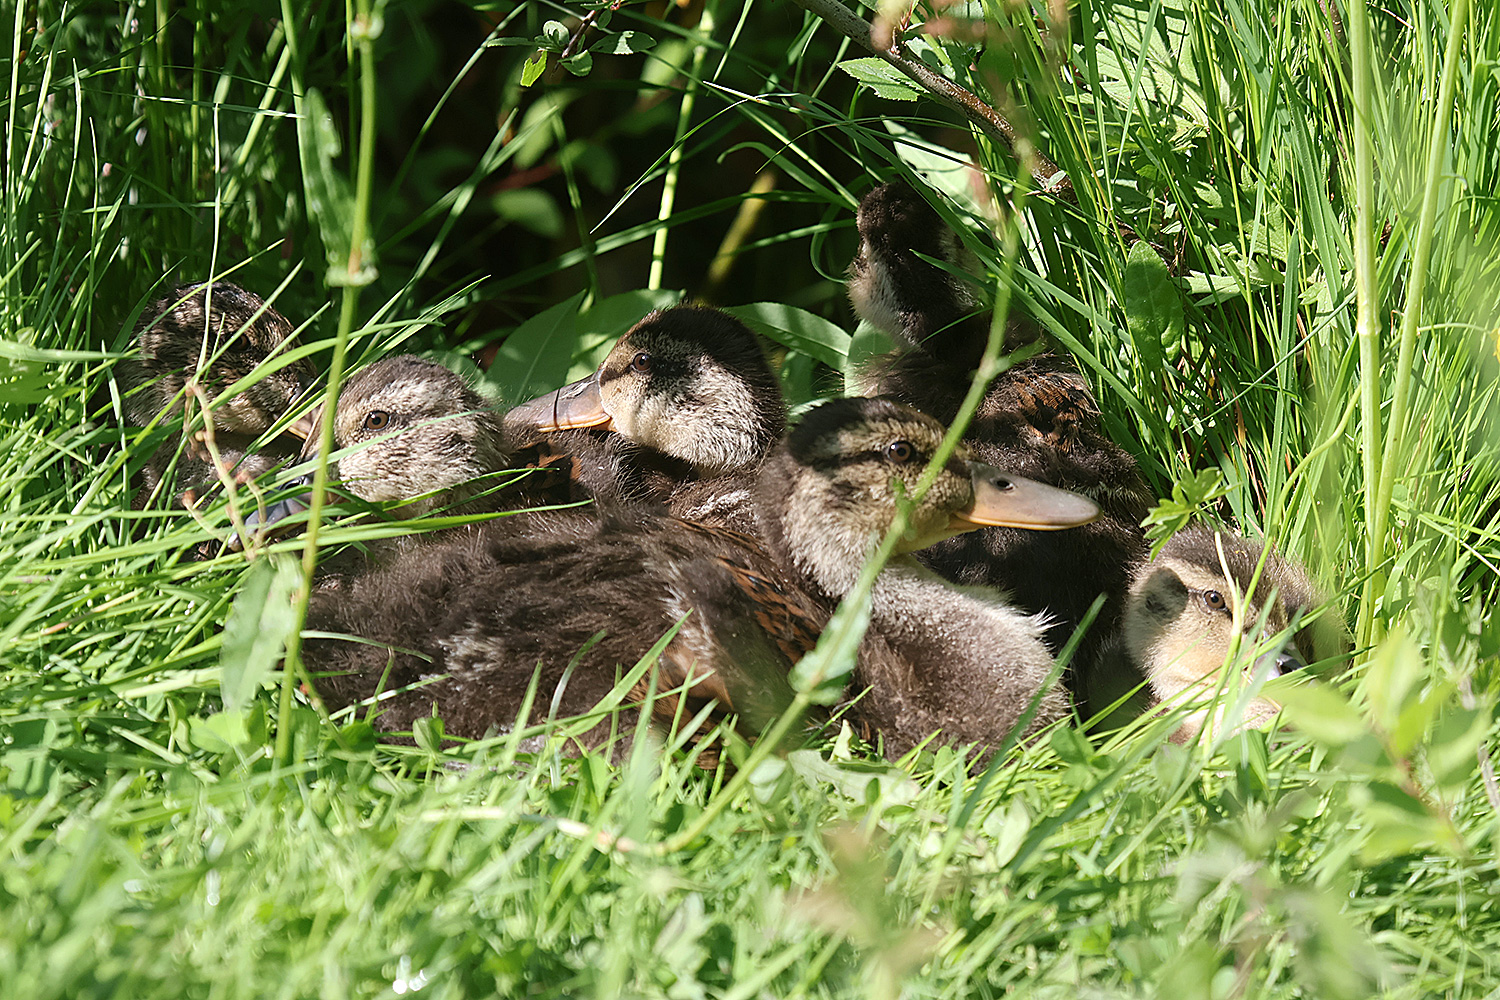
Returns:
(900,452)
(377,420)
(1215,600)
(641,363)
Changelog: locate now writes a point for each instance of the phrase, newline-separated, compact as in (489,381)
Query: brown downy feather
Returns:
(236,333)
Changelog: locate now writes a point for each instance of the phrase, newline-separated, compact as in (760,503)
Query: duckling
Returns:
(232,332)
(1178,628)
(682,412)
(961,661)
(477,615)
(413,434)
(1037,419)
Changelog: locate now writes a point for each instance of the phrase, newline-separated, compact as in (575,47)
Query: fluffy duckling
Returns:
(477,615)
(1038,419)
(1179,626)
(937,658)
(682,412)
(231,333)
(413,434)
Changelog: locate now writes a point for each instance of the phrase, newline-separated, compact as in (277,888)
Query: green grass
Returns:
(177,820)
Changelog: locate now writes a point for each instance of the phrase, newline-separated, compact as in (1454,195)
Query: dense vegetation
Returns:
(1274,254)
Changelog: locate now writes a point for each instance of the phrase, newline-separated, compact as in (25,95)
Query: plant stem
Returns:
(1365,325)
(674,158)
(1421,254)
(358,274)
(1048,176)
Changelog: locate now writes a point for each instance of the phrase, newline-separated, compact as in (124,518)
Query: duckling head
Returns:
(688,382)
(232,332)
(834,488)
(893,283)
(411,432)
(1180,624)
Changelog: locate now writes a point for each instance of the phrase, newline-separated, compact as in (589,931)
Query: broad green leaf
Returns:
(598,327)
(1324,714)
(868,342)
(1394,670)
(532,208)
(1452,752)
(330,200)
(884,79)
(259,624)
(537,355)
(1153,307)
(221,732)
(798,329)
(532,70)
(624,44)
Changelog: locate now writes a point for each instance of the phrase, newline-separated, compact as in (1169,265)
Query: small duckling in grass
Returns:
(212,336)
(682,412)
(1037,419)
(1180,628)
(413,434)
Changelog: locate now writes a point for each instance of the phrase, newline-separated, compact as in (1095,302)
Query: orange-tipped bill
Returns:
(1016,502)
(575,405)
(306,426)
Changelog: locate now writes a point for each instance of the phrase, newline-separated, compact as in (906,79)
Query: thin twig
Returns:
(1048,176)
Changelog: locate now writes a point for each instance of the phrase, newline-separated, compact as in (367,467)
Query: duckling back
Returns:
(481,613)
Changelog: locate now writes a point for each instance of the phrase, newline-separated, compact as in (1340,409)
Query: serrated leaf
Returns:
(624,44)
(798,329)
(1324,714)
(255,634)
(883,78)
(533,68)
